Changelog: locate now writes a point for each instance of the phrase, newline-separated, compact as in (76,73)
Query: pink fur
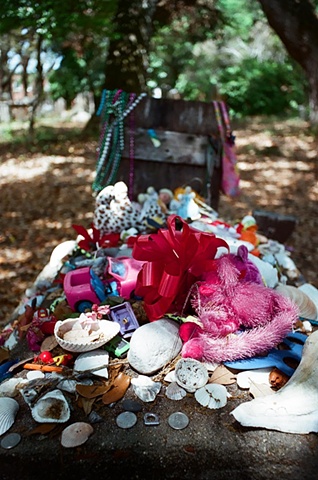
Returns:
(239,319)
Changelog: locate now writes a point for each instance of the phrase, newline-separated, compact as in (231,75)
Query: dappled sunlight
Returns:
(43,195)
(27,169)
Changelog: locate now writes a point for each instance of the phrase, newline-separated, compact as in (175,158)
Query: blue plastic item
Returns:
(276,357)
(4,369)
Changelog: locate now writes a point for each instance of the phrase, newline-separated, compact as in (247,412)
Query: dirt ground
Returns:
(45,187)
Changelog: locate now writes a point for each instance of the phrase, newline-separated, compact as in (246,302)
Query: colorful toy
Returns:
(83,288)
(239,319)
(187,208)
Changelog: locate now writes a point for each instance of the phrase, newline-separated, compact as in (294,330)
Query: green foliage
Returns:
(268,87)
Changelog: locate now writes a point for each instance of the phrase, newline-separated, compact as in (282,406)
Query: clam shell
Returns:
(76,434)
(212,396)
(51,408)
(71,335)
(191,374)
(95,362)
(8,410)
(307,308)
(11,386)
(145,388)
(175,392)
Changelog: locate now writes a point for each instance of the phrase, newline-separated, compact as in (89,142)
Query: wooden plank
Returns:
(175,148)
(181,116)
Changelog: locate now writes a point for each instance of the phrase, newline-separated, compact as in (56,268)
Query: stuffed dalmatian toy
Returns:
(115,212)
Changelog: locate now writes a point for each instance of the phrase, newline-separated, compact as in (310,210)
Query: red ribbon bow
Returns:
(175,259)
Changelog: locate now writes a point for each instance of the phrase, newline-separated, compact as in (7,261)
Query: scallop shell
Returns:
(145,388)
(76,434)
(71,334)
(51,408)
(175,392)
(212,396)
(95,362)
(307,308)
(8,410)
(191,374)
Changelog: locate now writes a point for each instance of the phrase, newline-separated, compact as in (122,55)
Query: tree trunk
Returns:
(127,61)
(38,88)
(296,24)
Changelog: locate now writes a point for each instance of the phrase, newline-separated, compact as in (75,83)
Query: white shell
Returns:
(212,395)
(76,434)
(171,376)
(175,392)
(294,408)
(261,375)
(33,374)
(191,374)
(145,388)
(11,386)
(75,335)
(95,362)
(8,410)
(51,408)
(307,308)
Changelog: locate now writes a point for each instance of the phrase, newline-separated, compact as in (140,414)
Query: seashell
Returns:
(145,388)
(212,396)
(11,386)
(8,410)
(67,385)
(311,291)
(95,362)
(294,408)
(171,376)
(51,408)
(261,375)
(83,335)
(191,374)
(307,308)
(33,374)
(175,392)
(76,434)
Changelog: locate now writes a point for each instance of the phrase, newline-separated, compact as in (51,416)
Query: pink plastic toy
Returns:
(83,288)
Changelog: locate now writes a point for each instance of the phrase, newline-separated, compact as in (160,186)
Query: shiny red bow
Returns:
(175,258)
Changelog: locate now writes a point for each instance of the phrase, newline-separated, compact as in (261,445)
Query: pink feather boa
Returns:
(239,319)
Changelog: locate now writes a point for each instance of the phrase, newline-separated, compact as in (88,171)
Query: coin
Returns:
(10,441)
(178,420)
(126,420)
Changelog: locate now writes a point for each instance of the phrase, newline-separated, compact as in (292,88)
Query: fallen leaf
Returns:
(118,389)
(87,404)
(260,389)
(92,391)
(42,429)
(222,376)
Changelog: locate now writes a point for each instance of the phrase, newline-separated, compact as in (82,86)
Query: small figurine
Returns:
(188,209)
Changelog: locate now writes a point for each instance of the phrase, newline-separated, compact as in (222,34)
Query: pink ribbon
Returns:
(175,257)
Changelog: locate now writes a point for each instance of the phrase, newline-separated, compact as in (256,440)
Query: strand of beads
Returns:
(131,155)
(117,105)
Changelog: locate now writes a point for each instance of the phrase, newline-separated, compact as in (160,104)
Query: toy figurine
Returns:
(188,209)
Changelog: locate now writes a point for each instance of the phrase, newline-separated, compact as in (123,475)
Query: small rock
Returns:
(154,345)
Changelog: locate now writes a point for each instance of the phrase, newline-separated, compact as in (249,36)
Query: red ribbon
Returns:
(175,259)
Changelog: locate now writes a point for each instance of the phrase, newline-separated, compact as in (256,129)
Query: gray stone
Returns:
(154,345)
